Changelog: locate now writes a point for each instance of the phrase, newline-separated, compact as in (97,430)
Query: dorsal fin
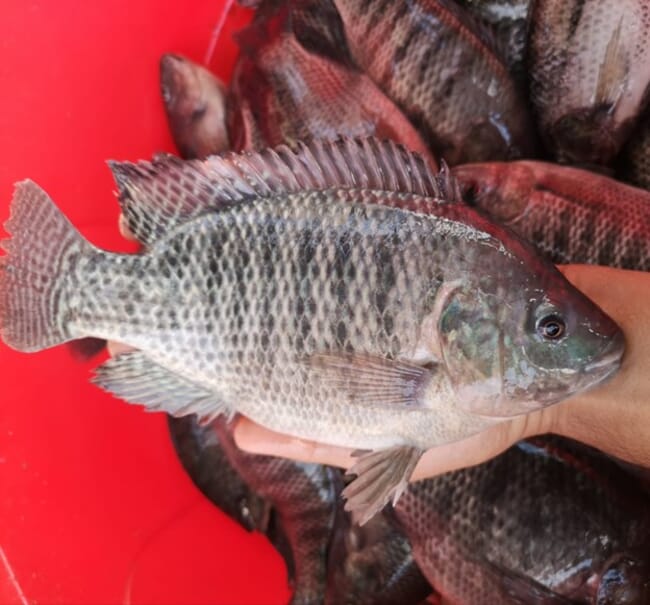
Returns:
(159,195)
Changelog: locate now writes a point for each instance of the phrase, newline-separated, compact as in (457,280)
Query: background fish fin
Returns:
(33,273)
(373,381)
(613,71)
(381,476)
(137,379)
(157,196)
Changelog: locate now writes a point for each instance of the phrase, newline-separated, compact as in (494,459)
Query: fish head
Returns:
(626,581)
(523,338)
(195,102)
(501,190)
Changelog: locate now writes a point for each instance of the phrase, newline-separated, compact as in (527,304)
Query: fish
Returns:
(372,564)
(304,497)
(634,162)
(282,93)
(195,103)
(203,458)
(549,521)
(273,285)
(426,56)
(507,23)
(589,75)
(570,215)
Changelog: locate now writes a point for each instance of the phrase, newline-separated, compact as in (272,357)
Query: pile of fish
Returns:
(358,248)
(474,83)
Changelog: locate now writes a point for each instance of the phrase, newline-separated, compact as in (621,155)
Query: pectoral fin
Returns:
(381,476)
(373,381)
(137,379)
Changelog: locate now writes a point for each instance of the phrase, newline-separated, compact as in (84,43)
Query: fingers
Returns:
(478,448)
(124,229)
(117,348)
(256,439)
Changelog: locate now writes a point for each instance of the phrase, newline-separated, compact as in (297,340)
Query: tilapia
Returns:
(427,58)
(569,215)
(283,93)
(372,565)
(275,285)
(549,521)
(634,163)
(195,102)
(304,497)
(204,460)
(589,69)
(507,22)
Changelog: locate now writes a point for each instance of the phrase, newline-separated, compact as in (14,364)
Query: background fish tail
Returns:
(31,275)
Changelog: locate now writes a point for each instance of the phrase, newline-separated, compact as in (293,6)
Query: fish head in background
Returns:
(519,336)
(195,103)
(502,190)
(625,581)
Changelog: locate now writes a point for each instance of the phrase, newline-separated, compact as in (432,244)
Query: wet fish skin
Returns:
(590,70)
(634,163)
(204,460)
(195,103)
(372,564)
(451,85)
(570,215)
(548,519)
(281,93)
(304,497)
(239,308)
(507,23)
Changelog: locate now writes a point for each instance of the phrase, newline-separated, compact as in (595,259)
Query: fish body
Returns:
(195,102)
(569,215)
(203,458)
(304,498)
(316,312)
(281,92)
(590,70)
(372,565)
(549,521)
(450,83)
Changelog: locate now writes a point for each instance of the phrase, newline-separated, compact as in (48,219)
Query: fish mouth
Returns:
(609,361)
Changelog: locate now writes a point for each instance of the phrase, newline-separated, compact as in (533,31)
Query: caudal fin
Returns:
(32,273)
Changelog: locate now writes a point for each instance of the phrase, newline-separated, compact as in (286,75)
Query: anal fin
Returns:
(137,379)
(381,476)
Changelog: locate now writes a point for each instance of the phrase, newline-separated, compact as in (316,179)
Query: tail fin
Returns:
(32,273)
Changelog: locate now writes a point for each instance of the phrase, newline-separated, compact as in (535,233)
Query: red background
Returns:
(94,506)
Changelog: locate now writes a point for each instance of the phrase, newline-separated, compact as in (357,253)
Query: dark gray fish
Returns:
(203,458)
(634,162)
(195,102)
(569,215)
(507,23)
(304,498)
(549,521)
(372,565)
(426,56)
(307,290)
(281,92)
(590,71)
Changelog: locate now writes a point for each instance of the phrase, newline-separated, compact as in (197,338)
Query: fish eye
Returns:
(551,327)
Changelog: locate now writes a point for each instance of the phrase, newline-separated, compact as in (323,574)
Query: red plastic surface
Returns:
(94,506)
